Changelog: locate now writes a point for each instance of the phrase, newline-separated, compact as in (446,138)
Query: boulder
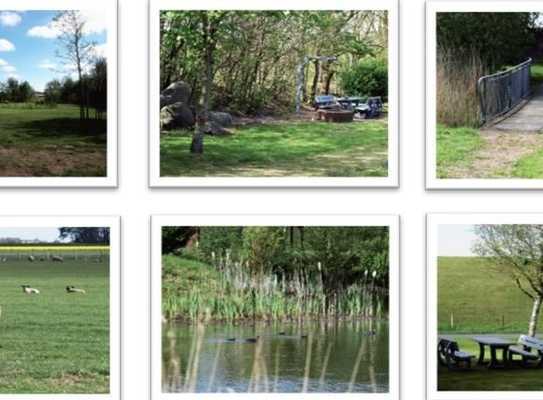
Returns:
(220,118)
(215,129)
(177,92)
(177,115)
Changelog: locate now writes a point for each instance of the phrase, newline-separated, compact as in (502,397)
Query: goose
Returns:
(252,340)
(28,290)
(232,339)
(73,289)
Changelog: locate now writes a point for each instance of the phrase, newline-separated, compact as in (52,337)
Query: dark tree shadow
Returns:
(93,130)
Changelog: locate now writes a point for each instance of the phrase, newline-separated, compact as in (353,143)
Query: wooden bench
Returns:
(529,348)
(449,354)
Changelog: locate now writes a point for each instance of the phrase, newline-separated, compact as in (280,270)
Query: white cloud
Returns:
(100,50)
(44,31)
(95,22)
(8,69)
(9,18)
(6,45)
(46,64)
(3,62)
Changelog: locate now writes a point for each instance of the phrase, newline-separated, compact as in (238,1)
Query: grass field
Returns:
(465,285)
(282,149)
(54,342)
(481,300)
(49,141)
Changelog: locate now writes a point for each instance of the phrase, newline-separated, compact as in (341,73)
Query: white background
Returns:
(135,202)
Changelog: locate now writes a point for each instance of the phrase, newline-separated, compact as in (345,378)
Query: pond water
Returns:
(309,357)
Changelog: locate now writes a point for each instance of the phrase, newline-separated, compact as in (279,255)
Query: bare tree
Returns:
(517,251)
(76,51)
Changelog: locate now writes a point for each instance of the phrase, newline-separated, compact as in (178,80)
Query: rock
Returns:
(220,118)
(177,92)
(177,115)
(212,128)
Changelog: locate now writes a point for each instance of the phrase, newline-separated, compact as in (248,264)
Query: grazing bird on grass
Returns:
(73,289)
(31,258)
(29,290)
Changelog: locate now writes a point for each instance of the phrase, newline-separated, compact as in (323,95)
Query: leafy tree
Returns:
(517,251)
(369,77)
(53,92)
(85,235)
(499,38)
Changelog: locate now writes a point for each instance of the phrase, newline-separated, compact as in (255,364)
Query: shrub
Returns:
(368,77)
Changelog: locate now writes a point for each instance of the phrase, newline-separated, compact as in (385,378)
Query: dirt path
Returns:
(498,155)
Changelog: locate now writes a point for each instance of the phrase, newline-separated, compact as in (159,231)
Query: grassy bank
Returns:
(465,287)
(282,149)
(49,141)
(54,342)
(456,147)
(192,290)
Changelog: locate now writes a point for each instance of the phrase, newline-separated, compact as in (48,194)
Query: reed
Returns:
(228,291)
(456,88)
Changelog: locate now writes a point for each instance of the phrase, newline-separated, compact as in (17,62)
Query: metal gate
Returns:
(499,93)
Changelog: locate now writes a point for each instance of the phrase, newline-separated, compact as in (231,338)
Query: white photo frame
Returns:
(157,222)
(392,180)
(432,8)
(433,221)
(111,178)
(115,273)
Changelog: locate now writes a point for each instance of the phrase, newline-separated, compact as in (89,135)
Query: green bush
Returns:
(369,77)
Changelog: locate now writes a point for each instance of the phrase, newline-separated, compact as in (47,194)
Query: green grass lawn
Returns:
(465,287)
(49,141)
(356,149)
(536,72)
(455,147)
(54,342)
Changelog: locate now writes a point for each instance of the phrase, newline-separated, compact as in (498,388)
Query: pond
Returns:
(325,356)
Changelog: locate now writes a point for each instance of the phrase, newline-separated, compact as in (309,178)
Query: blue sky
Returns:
(29,45)
(42,234)
(456,240)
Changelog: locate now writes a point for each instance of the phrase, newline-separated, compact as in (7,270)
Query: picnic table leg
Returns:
(481,353)
(504,356)
(493,359)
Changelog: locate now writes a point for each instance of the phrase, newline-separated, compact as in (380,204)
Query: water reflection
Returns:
(327,356)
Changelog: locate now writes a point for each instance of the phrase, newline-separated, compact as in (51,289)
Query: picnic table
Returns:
(494,343)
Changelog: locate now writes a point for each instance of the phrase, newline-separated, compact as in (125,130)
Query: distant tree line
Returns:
(340,255)
(13,91)
(68,91)
(65,91)
(92,235)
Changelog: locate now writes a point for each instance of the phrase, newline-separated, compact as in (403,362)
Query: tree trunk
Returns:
(315,80)
(328,81)
(538,300)
(197,145)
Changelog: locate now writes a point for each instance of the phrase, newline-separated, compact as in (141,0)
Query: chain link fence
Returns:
(501,92)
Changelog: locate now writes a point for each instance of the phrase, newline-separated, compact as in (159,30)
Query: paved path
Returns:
(528,119)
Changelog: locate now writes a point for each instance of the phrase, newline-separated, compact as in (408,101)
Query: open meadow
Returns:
(54,341)
(40,140)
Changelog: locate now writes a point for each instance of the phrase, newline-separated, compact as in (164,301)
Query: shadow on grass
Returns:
(92,130)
